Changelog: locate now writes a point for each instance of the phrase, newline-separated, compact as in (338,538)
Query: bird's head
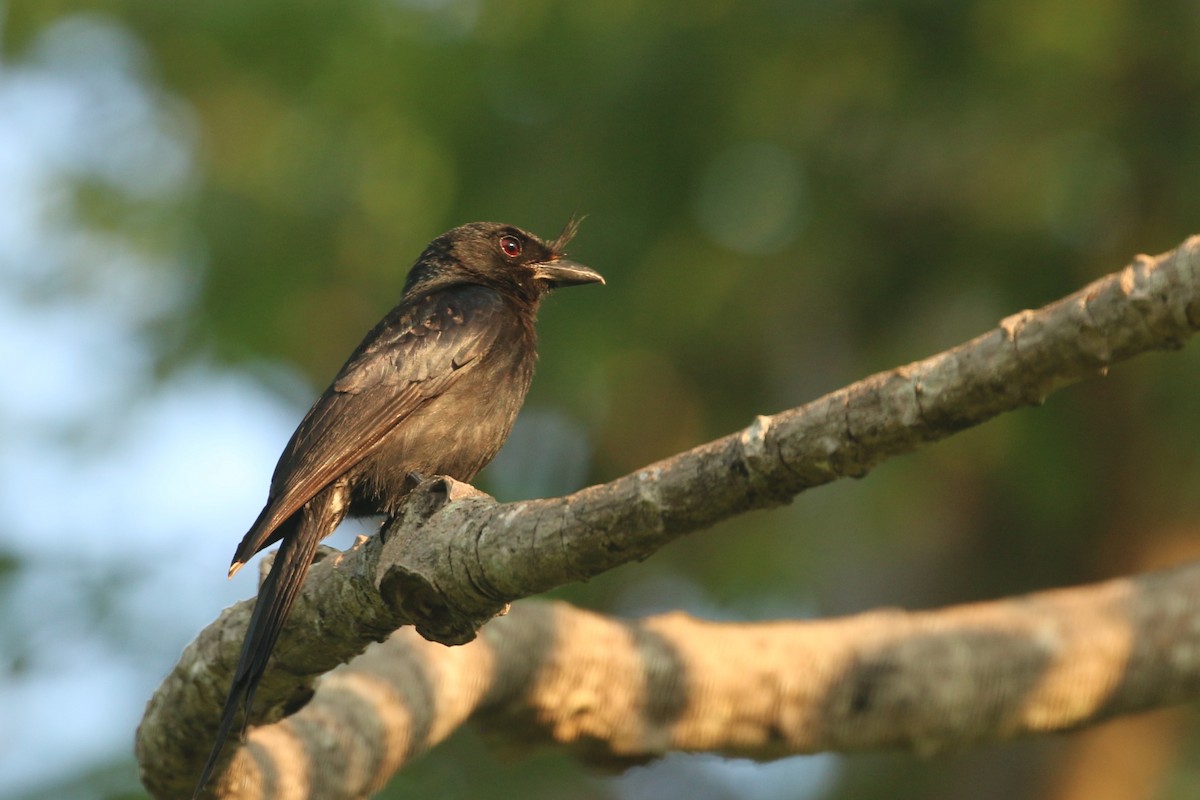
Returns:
(501,256)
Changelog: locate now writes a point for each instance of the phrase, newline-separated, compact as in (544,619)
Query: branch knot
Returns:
(421,563)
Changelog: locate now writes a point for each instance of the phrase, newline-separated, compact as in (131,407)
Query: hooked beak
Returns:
(562,272)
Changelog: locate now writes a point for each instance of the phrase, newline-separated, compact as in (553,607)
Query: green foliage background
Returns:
(784,197)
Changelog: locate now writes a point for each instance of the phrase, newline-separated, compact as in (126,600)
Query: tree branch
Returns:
(617,692)
(447,567)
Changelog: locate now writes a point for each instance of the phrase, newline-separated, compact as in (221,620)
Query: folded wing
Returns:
(411,357)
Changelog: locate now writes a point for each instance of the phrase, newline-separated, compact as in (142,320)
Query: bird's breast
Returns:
(455,433)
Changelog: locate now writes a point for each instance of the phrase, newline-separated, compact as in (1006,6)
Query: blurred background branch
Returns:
(619,693)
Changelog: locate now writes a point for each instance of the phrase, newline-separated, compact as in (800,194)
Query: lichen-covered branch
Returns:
(447,567)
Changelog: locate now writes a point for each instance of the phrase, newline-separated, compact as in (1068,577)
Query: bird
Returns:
(433,389)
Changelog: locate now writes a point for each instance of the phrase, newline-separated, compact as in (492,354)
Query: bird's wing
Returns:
(412,356)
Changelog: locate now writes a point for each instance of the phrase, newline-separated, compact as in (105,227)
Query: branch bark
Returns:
(455,558)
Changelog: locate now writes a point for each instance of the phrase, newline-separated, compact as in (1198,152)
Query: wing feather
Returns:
(411,357)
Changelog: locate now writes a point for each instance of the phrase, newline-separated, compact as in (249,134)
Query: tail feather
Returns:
(275,599)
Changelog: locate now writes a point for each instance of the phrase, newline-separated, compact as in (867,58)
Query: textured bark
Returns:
(622,692)
(455,558)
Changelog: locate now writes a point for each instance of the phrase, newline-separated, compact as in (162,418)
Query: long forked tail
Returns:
(275,599)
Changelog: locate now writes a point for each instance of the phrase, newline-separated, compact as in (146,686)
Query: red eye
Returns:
(510,246)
